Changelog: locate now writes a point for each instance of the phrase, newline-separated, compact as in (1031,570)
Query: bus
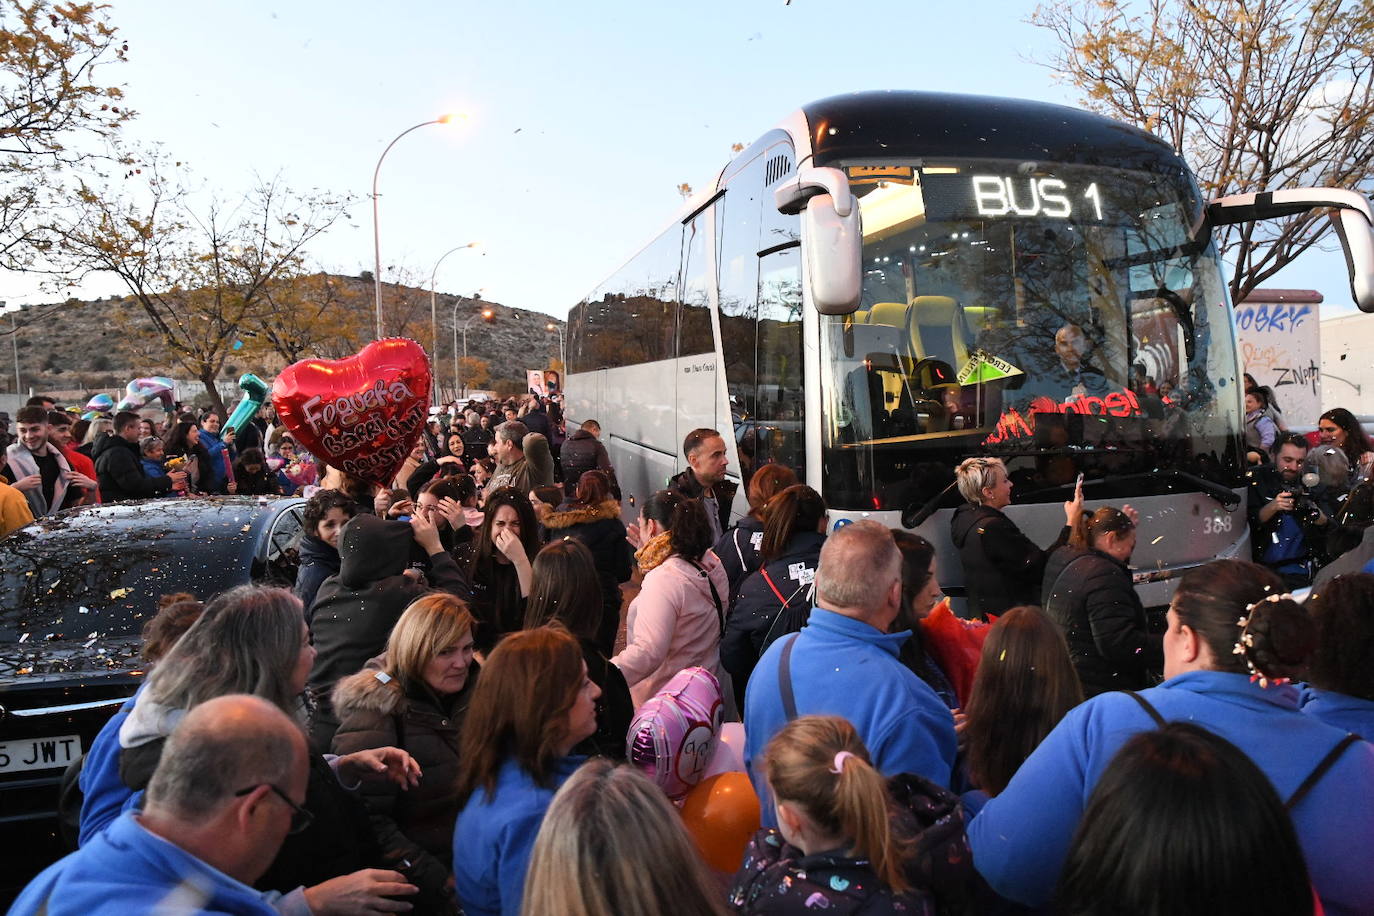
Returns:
(887,283)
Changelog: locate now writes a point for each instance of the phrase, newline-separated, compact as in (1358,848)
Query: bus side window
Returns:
(737,238)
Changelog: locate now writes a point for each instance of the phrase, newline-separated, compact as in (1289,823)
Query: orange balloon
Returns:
(722,815)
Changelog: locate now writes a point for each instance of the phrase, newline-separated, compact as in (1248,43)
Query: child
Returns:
(1260,431)
(834,848)
(153,452)
(325,515)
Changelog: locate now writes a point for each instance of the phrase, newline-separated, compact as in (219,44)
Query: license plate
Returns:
(39,753)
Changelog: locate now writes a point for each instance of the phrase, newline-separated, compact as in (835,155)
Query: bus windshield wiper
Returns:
(1222,494)
(914,516)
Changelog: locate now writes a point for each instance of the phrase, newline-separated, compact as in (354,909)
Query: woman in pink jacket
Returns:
(677,620)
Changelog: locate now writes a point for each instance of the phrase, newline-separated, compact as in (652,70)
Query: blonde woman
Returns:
(415,700)
(612,845)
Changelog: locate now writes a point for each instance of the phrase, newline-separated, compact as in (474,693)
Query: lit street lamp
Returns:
(433,314)
(376,231)
(486,314)
(562,353)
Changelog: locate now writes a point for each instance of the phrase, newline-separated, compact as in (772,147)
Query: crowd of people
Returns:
(435,718)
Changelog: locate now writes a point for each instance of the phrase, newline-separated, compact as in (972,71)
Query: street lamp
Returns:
(486,315)
(433,314)
(376,231)
(562,353)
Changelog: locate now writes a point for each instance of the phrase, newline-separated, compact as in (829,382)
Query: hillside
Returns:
(81,348)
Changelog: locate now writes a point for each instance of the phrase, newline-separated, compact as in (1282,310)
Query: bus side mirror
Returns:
(832,256)
(1350,216)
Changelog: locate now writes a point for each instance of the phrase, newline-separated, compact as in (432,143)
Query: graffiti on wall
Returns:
(1280,347)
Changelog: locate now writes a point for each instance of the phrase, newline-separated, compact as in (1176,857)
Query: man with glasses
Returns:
(225,795)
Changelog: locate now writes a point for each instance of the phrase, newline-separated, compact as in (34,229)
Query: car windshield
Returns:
(1061,317)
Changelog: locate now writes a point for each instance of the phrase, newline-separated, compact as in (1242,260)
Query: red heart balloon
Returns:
(362,414)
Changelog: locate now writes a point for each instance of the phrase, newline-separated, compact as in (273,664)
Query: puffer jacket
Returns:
(673,624)
(355,610)
(750,627)
(1002,567)
(601,530)
(1103,621)
(582,452)
(738,550)
(413,826)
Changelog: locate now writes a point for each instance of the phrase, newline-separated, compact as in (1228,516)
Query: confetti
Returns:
(119,593)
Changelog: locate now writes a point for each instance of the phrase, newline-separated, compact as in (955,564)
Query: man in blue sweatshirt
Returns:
(844,663)
(228,791)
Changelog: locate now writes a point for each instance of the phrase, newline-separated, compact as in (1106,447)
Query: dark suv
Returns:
(75,591)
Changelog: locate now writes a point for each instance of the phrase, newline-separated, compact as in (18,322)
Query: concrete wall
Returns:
(1347,358)
(1280,345)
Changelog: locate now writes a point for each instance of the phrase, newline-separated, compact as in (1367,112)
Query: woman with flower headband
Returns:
(1232,644)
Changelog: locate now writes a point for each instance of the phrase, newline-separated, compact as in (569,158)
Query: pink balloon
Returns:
(673,734)
(728,757)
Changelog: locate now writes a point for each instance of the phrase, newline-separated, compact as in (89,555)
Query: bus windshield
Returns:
(1062,317)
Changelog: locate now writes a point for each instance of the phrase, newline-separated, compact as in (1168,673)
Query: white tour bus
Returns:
(890,282)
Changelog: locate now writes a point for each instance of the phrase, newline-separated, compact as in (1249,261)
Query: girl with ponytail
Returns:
(1234,644)
(835,849)
(1088,592)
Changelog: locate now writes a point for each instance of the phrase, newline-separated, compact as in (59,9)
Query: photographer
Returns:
(1285,513)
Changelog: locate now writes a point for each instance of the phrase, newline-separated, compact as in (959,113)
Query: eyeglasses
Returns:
(300,818)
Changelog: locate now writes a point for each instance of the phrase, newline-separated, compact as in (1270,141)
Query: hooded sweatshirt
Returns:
(355,610)
(128,870)
(674,623)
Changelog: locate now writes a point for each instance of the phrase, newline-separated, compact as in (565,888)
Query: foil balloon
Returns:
(722,813)
(157,386)
(362,414)
(673,734)
(255,393)
(101,403)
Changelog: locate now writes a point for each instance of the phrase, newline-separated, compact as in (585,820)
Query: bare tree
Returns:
(52,106)
(202,275)
(1255,94)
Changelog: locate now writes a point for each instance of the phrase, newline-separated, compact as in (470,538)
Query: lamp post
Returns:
(485,314)
(376,230)
(562,353)
(433,306)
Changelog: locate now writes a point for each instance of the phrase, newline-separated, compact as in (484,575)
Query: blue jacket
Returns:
(1349,714)
(1021,838)
(318,562)
(154,467)
(844,667)
(127,870)
(214,478)
(103,794)
(494,837)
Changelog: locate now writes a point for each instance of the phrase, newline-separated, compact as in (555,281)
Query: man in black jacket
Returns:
(584,452)
(1002,567)
(704,478)
(119,465)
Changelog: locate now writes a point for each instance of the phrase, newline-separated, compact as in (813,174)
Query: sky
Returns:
(581,119)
